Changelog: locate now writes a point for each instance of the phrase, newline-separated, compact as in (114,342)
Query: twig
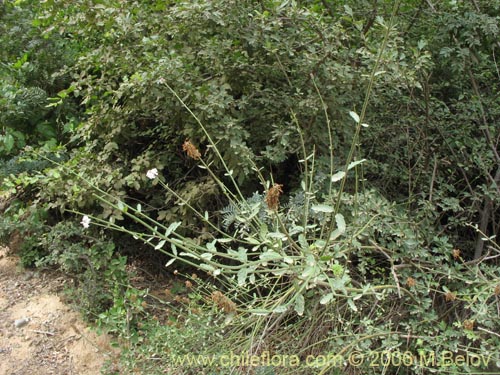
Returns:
(43,332)
(488,331)
(393,271)
(433,179)
(328,9)
(410,336)
(431,6)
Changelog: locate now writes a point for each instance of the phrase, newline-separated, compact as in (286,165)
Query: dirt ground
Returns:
(39,334)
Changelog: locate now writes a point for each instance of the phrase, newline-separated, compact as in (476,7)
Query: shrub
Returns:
(99,274)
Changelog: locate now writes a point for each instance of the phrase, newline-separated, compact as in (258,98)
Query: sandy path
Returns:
(54,340)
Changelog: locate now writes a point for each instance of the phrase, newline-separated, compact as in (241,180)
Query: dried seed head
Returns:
(468,324)
(497,290)
(189,284)
(223,302)
(410,281)
(456,253)
(194,310)
(191,150)
(450,296)
(273,196)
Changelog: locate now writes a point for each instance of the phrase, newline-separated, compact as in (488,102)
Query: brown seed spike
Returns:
(273,196)
(411,282)
(223,302)
(468,324)
(191,150)
(450,296)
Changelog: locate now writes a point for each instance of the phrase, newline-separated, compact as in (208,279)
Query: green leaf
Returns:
(303,241)
(206,256)
(172,227)
(160,244)
(421,44)
(354,163)
(259,312)
(348,10)
(341,227)
(191,255)
(309,271)
(242,276)
(339,219)
(207,267)
(280,309)
(8,142)
(355,116)
(278,235)
(326,298)
(174,249)
(322,208)
(121,206)
(242,255)
(211,246)
(299,304)
(410,243)
(19,63)
(338,176)
(351,304)
(46,130)
(269,255)
(252,241)
(263,230)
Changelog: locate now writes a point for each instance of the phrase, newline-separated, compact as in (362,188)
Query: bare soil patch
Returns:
(39,333)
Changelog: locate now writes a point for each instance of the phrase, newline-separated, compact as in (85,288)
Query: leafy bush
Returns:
(99,274)
(328,253)
(29,72)
(317,234)
(442,144)
(242,68)
(21,228)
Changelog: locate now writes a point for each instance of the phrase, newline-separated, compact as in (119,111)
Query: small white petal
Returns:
(85,221)
(152,173)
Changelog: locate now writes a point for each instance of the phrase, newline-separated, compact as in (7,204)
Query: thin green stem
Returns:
(212,143)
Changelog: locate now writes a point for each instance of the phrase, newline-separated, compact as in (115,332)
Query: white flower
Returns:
(85,221)
(152,174)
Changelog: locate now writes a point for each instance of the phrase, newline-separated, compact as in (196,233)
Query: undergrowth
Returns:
(323,276)
(338,280)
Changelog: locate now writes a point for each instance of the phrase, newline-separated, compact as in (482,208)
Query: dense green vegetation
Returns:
(322,176)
